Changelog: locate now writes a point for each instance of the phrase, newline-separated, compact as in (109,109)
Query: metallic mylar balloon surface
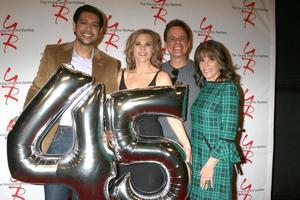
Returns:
(90,166)
(124,108)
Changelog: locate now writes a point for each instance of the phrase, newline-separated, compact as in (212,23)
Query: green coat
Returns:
(214,117)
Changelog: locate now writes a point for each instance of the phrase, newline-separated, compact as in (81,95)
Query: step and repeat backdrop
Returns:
(246,27)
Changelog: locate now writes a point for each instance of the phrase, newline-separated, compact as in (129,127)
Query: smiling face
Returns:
(209,67)
(87,29)
(177,42)
(143,48)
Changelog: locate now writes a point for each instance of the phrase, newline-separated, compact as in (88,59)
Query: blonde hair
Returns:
(156,58)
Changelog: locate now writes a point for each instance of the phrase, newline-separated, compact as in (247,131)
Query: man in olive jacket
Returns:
(104,70)
(88,25)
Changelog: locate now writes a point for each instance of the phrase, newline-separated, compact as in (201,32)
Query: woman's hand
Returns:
(207,173)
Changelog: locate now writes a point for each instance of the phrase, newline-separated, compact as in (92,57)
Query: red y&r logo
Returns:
(250,62)
(248,107)
(113,37)
(62,11)
(11,85)
(9,31)
(245,190)
(205,31)
(247,149)
(19,191)
(161,11)
(249,14)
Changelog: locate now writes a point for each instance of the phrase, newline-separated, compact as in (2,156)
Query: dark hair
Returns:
(214,50)
(180,23)
(88,8)
(156,57)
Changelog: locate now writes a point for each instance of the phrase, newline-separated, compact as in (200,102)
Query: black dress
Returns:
(146,178)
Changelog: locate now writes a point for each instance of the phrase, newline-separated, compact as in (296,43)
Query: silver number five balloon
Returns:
(89,167)
(126,107)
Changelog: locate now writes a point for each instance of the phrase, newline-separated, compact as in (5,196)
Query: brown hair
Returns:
(180,23)
(214,50)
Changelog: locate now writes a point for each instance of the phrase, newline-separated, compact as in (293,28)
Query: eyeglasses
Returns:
(174,73)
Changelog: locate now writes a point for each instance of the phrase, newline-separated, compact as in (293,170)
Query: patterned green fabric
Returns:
(214,125)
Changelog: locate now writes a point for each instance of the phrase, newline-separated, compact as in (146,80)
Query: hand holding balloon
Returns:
(89,167)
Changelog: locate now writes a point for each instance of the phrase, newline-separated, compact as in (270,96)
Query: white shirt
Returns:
(83,65)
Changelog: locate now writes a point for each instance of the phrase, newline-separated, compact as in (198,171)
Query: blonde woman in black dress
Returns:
(143,58)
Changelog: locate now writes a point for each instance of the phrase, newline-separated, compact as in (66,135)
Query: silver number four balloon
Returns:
(90,167)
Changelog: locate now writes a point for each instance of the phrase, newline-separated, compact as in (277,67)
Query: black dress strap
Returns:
(122,85)
(153,82)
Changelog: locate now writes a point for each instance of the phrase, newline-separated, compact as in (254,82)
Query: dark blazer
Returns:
(104,69)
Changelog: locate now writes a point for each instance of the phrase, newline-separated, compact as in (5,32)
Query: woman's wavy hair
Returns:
(156,58)
(214,50)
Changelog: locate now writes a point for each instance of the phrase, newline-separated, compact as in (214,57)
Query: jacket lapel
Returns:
(66,54)
(97,67)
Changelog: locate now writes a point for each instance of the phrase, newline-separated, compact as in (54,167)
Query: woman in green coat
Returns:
(214,117)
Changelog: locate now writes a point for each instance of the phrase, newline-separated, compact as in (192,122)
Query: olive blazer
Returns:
(104,69)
